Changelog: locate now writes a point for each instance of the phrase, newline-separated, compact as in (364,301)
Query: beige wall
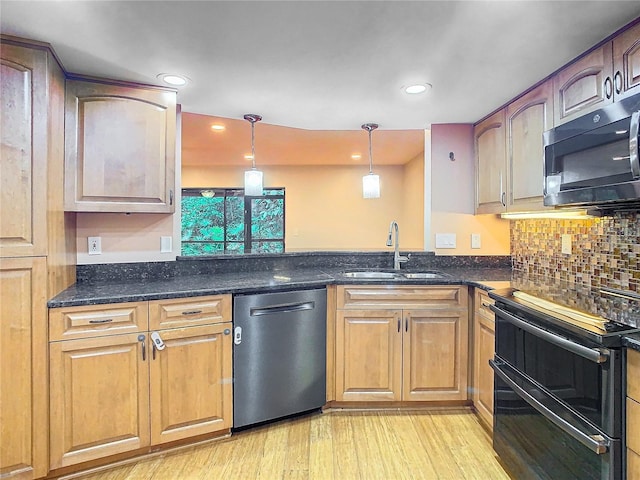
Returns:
(453,196)
(324,206)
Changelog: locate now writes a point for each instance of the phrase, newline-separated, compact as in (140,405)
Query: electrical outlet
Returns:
(94,245)
(475,240)
(566,244)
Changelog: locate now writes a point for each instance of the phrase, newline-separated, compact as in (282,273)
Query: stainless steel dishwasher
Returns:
(279,354)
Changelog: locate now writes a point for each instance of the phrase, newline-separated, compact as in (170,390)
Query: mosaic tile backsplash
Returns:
(605,251)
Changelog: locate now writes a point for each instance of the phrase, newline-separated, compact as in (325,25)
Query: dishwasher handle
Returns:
(281,308)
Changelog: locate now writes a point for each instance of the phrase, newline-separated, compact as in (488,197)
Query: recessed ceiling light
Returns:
(217,127)
(356,156)
(173,79)
(417,88)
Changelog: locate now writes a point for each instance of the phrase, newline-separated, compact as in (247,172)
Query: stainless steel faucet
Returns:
(397,258)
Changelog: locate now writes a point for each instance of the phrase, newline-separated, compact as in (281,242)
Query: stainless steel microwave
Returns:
(593,160)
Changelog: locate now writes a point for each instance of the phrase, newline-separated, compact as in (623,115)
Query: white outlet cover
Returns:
(475,240)
(566,244)
(165,245)
(94,245)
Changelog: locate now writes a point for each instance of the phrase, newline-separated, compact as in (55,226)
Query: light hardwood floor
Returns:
(340,445)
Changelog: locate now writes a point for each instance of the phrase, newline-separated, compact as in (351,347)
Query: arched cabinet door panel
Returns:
(119,148)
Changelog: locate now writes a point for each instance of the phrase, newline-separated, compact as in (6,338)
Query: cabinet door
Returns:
(368,355)
(23,165)
(435,354)
(583,86)
(99,398)
(119,148)
(491,173)
(626,62)
(527,118)
(484,349)
(191,382)
(23,372)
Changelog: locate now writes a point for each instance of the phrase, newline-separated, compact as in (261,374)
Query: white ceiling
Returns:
(327,65)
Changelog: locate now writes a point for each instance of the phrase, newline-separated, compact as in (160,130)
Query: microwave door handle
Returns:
(596,443)
(633,144)
(592,354)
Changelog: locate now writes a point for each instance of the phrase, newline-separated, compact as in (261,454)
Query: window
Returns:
(225,221)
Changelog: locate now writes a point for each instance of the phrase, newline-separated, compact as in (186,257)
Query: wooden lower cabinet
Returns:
(116,393)
(483,351)
(23,371)
(99,398)
(191,383)
(400,354)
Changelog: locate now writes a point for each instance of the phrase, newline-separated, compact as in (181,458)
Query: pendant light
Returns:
(253,177)
(370,182)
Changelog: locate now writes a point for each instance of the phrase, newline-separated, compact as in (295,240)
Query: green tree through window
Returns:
(225,221)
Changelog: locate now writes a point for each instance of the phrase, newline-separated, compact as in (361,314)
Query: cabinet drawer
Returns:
(633,425)
(483,301)
(175,313)
(633,375)
(401,296)
(97,320)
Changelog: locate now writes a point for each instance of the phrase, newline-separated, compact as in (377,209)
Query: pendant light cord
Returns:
(370,155)
(253,147)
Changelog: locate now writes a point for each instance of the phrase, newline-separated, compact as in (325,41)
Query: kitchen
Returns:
(603,248)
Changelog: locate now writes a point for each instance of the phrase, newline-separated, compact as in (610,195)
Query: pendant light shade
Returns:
(253,178)
(370,182)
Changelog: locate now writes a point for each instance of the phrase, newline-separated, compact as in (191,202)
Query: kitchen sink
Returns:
(376,275)
(372,275)
(425,275)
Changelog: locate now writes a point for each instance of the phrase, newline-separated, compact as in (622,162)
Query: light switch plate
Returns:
(445,240)
(165,245)
(475,240)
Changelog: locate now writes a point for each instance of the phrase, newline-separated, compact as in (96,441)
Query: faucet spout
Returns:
(397,258)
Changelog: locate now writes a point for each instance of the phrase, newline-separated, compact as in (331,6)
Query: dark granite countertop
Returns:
(142,289)
(632,341)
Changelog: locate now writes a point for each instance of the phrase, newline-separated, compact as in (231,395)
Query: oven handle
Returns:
(596,443)
(595,355)
(633,144)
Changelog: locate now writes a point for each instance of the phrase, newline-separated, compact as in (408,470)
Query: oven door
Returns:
(585,377)
(538,438)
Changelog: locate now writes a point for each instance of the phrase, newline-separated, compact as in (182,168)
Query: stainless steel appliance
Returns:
(279,354)
(593,160)
(558,393)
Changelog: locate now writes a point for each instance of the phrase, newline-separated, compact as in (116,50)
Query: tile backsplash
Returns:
(605,251)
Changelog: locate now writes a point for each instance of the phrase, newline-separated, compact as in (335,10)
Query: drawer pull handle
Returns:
(486,305)
(192,312)
(104,320)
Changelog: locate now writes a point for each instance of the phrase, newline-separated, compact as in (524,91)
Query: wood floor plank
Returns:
(321,449)
(337,445)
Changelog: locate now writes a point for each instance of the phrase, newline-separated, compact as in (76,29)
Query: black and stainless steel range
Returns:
(558,391)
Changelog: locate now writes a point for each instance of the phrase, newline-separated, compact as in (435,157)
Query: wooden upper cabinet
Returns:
(119,148)
(23,165)
(527,118)
(580,87)
(626,62)
(491,164)
(604,75)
